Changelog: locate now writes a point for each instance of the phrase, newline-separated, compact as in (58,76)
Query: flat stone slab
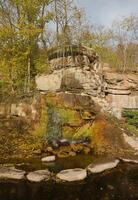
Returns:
(98,168)
(38,176)
(48,159)
(129,160)
(11,173)
(69,175)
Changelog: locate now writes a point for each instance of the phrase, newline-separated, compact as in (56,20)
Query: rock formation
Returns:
(71,56)
(77,69)
(79,72)
(121,91)
(70,105)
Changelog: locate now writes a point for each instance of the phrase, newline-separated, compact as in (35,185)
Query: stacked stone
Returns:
(71,56)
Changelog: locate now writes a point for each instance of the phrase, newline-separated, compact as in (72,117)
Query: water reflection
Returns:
(79,161)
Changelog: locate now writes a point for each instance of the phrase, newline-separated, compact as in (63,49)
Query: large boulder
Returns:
(73,69)
(77,117)
(71,79)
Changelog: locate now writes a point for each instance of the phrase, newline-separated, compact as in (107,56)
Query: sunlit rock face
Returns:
(125,101)
(71,79)
(73,69)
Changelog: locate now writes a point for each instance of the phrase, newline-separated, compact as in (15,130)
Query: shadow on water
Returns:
(118,184)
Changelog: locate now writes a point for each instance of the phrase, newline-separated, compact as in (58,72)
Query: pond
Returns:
(120,183)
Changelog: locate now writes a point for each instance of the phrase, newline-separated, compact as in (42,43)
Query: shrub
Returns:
(131,117)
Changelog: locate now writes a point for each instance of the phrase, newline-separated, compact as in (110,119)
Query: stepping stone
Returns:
(38,176)
(48,159)
(11,173)
(98,168)
(72,175)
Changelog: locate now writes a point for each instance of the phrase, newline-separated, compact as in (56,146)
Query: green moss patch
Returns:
(68,132)
(84,132)
(70,117)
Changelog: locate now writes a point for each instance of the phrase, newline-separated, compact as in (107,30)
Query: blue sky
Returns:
(105,11)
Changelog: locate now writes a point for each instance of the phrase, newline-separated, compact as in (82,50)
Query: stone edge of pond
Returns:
(11,173)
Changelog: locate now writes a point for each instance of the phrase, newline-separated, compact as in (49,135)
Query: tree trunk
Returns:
(124,58)
(57,23)
(11,80)
(28,75)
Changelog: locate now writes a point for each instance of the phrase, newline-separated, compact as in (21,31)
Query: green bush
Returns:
(131,117)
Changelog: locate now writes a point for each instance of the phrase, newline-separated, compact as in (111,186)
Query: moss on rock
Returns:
(84,132)
(70,117)
(68,132)
(77,117)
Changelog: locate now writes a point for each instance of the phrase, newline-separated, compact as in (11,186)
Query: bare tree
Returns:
(126,35)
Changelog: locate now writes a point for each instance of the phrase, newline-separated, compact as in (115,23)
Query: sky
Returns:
(103,12)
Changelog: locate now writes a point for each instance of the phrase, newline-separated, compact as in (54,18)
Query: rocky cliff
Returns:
(83,73)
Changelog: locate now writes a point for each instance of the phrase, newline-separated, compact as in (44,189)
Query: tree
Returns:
(125,35)
(70,22)
(80,28)
(117,45)
(63,15)
(130,24)
(22,24)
